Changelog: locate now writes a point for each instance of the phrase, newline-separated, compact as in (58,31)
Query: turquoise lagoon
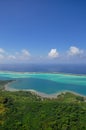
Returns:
(48,83)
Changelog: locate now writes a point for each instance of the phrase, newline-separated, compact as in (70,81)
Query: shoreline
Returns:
(42,95)
(54,95)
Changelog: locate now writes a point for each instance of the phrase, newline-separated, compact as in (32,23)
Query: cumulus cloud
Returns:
(73,51)
(11,57)
(25,52)
(1,57)
(2,50)
(23,55)
(74,54)
(53,53)
(2,54)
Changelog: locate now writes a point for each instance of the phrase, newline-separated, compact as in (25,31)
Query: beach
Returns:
(54,83)
(42,95)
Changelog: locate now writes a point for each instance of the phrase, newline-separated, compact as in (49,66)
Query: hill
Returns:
(23,110)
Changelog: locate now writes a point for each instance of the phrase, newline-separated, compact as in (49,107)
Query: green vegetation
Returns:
(27,111)
(4,82)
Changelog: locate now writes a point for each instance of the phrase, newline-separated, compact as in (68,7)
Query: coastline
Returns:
(54,95)
(42,95)
(7,88)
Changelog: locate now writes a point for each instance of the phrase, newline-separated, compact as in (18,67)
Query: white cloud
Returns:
(2,54)
(1,57)
(53,53)
(2,50)
(73,51)
(25,52)
(23,55)
(11,57)
(74,54)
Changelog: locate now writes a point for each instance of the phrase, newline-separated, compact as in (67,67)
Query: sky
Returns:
(42,31)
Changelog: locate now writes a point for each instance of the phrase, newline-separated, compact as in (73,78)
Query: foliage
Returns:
(26,111)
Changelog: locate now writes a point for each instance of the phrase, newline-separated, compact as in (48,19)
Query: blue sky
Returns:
(43,31)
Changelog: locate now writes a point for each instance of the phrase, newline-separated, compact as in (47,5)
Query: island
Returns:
(25,110)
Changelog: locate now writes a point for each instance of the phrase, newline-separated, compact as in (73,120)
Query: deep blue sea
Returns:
(64,68)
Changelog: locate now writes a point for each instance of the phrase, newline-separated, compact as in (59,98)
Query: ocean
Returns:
(47,79)
(64,68)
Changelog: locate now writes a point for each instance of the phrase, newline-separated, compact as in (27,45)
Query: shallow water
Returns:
(48,83)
